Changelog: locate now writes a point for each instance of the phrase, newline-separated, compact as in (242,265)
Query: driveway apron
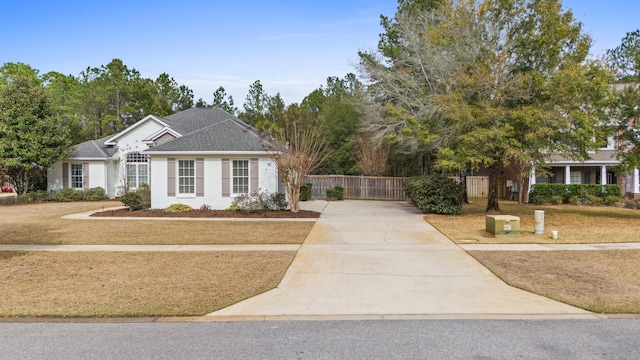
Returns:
(383,258)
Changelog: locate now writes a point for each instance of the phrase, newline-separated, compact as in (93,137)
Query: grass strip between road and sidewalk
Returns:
(110,284)
(603,281)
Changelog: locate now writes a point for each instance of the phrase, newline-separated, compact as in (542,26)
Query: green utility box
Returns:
(502,225)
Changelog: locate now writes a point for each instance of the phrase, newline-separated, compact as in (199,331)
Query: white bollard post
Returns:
(538,218)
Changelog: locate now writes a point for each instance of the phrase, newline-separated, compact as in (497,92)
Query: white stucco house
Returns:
(199,156)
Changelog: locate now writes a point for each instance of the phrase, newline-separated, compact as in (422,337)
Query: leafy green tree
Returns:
(336,106)
(223,101)
(625,58)
(172,97)
(65,94)
(625,106)
(489,84)
(296,143)
(11,71)
(255,106)
(30,139)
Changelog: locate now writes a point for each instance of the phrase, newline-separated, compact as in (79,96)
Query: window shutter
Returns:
(200,177)
(171,177)
(226,183)
(253,176)
(85,176)
(65,175)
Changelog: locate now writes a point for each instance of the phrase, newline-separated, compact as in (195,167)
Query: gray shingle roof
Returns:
(226,135)
(194,119)
(93,149)
(202,130)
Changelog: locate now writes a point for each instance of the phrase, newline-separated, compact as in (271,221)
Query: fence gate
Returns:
(477,186)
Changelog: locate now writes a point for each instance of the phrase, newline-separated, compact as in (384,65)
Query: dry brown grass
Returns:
(605,281)
(41,224)
(575,224)
(97,284)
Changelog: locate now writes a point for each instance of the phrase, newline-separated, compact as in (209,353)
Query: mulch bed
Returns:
(272,214)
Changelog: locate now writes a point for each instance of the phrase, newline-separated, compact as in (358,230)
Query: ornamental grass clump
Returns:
(178,208)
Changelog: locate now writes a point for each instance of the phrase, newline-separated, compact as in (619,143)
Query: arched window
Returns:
(137,170)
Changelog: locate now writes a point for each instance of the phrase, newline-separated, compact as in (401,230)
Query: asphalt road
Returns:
(406,339)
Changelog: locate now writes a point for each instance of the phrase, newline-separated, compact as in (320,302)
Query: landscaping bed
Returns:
(271,214)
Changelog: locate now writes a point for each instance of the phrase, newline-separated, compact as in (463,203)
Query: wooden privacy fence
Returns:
(358,187)
(390,188)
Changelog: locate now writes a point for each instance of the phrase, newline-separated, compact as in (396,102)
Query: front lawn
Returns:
(42,224)
(575,224)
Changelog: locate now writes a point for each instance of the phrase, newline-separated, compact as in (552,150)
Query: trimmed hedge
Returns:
(435,193)
(593,193)
(337,193)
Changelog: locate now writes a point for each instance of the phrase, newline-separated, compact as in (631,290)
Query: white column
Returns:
(636,181)
(603,175)
(567,174)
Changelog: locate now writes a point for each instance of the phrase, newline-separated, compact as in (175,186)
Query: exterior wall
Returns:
(267,181)
(97,174)
(132,141)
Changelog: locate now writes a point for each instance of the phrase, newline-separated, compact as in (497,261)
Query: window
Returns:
(575,177)
(186,177)
(137,170)
(76,176)
(240,176)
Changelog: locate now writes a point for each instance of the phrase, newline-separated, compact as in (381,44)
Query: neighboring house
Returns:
(200,156)
(600,168)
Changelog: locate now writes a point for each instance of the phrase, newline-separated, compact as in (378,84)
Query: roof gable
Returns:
(225,136)
(114,139)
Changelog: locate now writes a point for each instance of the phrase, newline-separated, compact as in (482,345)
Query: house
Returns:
(199,156)
(599,168)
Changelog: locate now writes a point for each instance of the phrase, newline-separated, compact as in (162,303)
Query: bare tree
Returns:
(372,154)
(297,146)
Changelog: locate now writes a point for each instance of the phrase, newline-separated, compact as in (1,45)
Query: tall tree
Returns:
(223,101)
(490,83)
(11,71)
(30,140)
(65,94)
(172,97)
(297,146)
(255,105)
(625,106)
(337,108)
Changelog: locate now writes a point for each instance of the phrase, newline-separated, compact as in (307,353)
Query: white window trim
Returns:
(72,176)
(233,177)
(179,177)
(137,165)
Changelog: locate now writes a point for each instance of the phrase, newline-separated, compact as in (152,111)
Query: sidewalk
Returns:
(368,258)
(550,247)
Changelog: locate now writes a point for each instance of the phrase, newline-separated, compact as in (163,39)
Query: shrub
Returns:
(631,204)
(611,200)
(574,200)
(305,192)
(435,193)
(337,193)
(205,207)
(145,194)
(262,201)
(68,194)
(556,200)
(594,200)
(278,201)
(95,194)
(178,208)
(131,199)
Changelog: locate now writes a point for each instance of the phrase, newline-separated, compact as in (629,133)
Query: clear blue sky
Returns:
(291,46)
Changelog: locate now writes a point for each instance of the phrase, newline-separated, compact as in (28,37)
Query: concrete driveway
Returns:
(375,258)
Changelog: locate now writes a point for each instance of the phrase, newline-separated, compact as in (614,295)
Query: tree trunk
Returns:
(492,200)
